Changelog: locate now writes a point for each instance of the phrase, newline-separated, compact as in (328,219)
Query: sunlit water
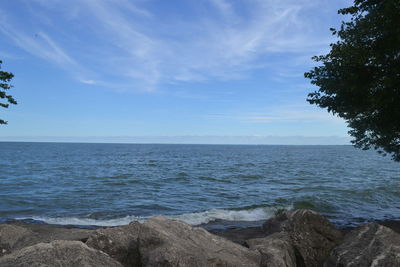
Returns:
(112,184)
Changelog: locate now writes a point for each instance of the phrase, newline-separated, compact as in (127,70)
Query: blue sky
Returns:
(171,71)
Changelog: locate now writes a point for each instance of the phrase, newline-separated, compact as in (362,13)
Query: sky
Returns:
(178,71)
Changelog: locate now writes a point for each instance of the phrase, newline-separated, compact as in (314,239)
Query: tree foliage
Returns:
(5,99)
(359,79)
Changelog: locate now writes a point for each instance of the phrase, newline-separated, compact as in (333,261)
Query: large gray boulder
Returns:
(165,242)
(13,237)
(370,245)
(47,233)
(276,224)
(17,236)
(58,253)
(118,242)
(311,234)
(275,250)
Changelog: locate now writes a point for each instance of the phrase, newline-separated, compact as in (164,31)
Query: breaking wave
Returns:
(197,218)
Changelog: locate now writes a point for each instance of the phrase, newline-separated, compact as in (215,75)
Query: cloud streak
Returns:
(282,113)
(144,49)
(39,44)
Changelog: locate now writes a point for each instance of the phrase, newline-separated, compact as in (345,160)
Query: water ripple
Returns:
(56,181)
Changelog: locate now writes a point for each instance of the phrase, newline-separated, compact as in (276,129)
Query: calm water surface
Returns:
(111,184)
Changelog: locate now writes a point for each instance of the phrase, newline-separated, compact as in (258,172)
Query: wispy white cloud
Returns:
(128,41)
(282,113)
(91,82)
(41,45)
(224,7)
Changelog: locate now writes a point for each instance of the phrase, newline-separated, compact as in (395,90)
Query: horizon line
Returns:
(194,144)
(187,139)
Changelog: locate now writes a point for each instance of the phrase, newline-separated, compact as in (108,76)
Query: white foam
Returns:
(86,221)
(248,215)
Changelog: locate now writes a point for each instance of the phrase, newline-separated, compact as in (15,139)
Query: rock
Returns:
(12,236)
(276,224)
(165,242)
(48,233)
(118,242)
(275,249)
(240,235)
(311,234)
(370,245)
(58,253)
(17,236)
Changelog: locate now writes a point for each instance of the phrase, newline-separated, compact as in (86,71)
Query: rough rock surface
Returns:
(311,234)
(370,245)
(118,242)
(12,237)
(17,236)
(58,253)
(275,249)
(276,224)
(165,242)
(48,233)
(240,235)
(295,238)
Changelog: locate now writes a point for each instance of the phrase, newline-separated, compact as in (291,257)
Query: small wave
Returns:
(196,218)
(151,165)
(208,216)
(249,176)
(85,221)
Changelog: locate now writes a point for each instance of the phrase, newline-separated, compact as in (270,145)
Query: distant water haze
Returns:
(191,139)
(113,184)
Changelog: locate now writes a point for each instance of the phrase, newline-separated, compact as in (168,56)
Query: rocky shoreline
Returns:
(293,238)
(240,235)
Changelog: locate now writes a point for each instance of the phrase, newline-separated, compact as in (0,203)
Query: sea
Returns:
(216,186)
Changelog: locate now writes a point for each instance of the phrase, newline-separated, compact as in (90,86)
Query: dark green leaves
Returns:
(359,79)
(5,99)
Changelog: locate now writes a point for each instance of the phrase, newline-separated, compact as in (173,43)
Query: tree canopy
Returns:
(5,99)
(359,79)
